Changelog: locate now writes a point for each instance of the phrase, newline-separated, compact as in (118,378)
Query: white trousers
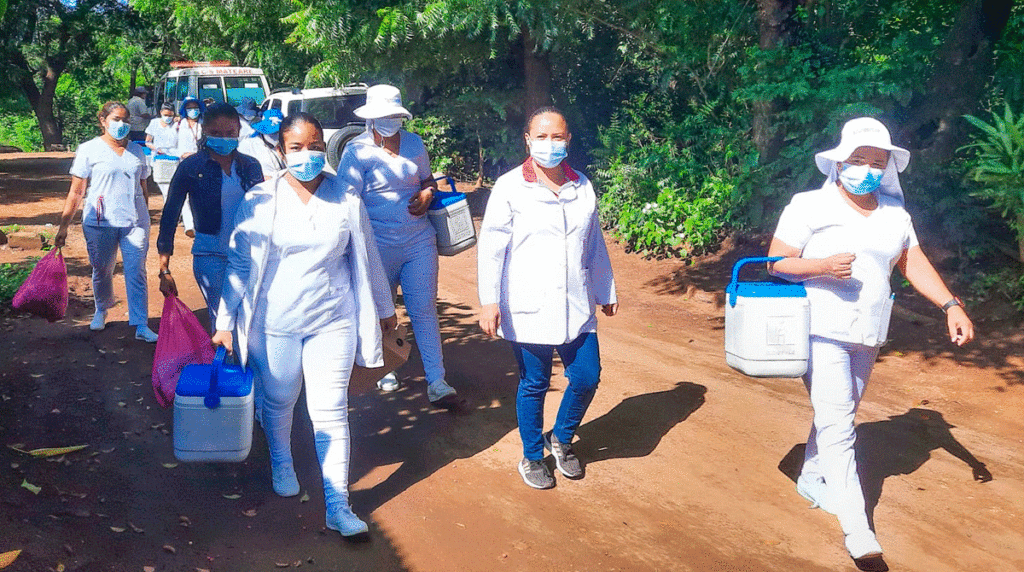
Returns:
(325,361)
(414,267)
(837,374)
(186,210)
(102,243)
(209,272)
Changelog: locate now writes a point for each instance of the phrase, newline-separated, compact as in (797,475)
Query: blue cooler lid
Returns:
(232,382)
(162,157)
(446,198)
(760,289)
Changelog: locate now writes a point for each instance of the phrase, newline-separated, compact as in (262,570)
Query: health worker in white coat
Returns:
(390,170)
(307,295)
(543,268)
(843,241)
(190,137)
(109,172)
(162,141)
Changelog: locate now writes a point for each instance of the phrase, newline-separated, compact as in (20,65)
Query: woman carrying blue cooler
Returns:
(110,173)
(213,181)
(307,296)
(190,136)
(390,170)
(842,241)
(542,268)
(162,140)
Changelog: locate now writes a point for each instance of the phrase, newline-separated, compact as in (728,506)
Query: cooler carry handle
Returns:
(448,179)
(736,272)
(212,399)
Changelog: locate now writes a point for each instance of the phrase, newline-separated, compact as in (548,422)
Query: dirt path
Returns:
(687,459)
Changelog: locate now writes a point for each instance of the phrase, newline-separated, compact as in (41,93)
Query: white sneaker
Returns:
(388,383)
(145,334)
(286,484)
(863,545)
(439,390)
(99,321)
(814,490)
(345,521)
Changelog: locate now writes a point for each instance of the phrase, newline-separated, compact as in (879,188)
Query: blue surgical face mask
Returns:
(305,165)
(860,179)
(167,119)
(222,145)
(548,153)
(192,113)
(118,129)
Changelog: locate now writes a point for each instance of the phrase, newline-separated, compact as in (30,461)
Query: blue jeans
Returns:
(582,360)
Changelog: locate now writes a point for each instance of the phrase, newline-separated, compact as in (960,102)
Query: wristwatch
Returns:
(956,301)
(168,273)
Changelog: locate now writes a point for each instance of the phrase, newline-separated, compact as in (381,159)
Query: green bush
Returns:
(21,130)
(998,165)
(11,278)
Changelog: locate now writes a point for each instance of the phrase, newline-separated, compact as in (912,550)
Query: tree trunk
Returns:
(480,154)
(537,72)
(776,26)
(934,126)
(41,100)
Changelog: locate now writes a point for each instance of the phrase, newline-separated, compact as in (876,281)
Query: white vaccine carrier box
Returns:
(767,326)
(164,167)
(450,215)
(213,412)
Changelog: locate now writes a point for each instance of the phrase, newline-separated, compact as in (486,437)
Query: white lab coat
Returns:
(249,252)
(542,258)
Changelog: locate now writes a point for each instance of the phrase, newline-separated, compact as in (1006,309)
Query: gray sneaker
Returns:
(566,461)
(536,474)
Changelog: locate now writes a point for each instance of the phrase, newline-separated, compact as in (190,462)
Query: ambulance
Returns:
(217,80)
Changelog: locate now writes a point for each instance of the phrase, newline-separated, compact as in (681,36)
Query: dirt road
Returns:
(687,460)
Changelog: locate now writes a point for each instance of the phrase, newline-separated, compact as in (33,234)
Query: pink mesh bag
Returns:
(45,291)
(182,341)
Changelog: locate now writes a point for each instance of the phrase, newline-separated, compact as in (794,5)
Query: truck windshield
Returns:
(334,112)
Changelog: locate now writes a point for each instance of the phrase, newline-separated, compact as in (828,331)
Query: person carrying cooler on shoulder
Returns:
(842,242)
(109,172)
(542,268)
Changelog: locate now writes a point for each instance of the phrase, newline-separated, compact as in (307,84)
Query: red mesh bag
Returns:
(182,341)
(45,291)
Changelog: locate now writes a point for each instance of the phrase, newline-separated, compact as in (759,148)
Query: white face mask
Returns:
(388,126)
(860,179)
(167,119)
(305,165)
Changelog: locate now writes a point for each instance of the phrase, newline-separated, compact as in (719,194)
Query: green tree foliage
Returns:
(998,166)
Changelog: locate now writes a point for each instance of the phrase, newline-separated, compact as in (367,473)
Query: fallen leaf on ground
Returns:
(296,564)
(149,569)
(169,465)
(282,564)
(60,567)
(231,497)
(250,513)
(55,451)
(122,362)
(110,450)
(121,404)
(202,570)
(135,528)
(35,375)
(8,558)
(169,548)
(118,528)
(185,521)
(305,497)
(32,488)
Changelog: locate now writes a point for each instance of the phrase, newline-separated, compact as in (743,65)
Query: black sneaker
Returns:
(536,474)
(565,459)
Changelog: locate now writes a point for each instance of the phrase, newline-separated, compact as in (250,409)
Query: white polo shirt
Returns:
(114,196)
(821,223)
(541,257)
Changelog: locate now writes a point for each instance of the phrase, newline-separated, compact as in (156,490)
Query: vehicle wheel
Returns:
(338,141)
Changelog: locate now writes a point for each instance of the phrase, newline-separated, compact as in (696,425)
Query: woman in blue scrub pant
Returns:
(213,182)
(542,269)
(109,173)
(389,168)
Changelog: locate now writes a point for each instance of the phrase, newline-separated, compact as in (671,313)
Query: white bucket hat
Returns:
(866,132)
(382,101)
(862,132)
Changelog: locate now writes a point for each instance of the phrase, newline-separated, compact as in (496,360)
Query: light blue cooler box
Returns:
(449,213)
(213,411)
(767,326)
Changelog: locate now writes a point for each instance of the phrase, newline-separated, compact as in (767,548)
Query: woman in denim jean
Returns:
(542,269)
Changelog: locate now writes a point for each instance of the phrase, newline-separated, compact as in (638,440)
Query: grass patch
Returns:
(12,275)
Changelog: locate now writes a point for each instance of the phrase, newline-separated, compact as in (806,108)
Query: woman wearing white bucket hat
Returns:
(389,167)
(842,241)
